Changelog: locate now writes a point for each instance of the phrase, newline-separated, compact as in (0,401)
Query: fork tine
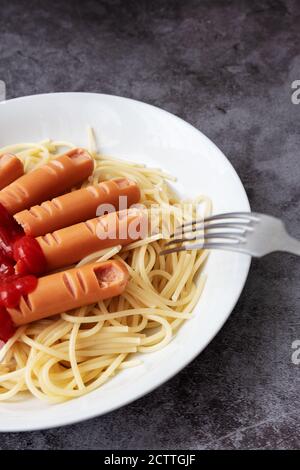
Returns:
(205,246)
(173,250)
(217,235)
(208,226)
(248,216)
(234,215)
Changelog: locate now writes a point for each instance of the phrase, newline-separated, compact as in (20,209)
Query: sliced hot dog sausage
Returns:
(76,206)
(71,244)
(11,168)
(71,289)
(47,181)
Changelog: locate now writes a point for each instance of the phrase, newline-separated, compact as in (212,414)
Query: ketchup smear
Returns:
(21,258)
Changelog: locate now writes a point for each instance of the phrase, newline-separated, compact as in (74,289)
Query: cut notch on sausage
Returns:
(123,183)
(47,207)
(68,282)
(105,188)
(56,203)
(51,238)
(56,163)
(81,282)
(50,169)
(92,190)
(32,211)
(27,301)
(89,225)
(23,192)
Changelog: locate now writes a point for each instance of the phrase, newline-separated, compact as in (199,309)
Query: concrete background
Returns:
(227,68)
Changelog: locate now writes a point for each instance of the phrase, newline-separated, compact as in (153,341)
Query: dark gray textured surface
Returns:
(227,68)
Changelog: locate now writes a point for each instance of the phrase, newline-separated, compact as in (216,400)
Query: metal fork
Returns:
(245,232)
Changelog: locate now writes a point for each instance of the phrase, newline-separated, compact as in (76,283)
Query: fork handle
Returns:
(292,246)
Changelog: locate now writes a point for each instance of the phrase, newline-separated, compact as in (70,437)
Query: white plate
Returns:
(142,133)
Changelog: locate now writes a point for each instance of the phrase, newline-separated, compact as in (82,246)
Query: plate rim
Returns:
(90,414)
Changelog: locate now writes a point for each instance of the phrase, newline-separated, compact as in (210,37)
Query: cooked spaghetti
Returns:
(73,353)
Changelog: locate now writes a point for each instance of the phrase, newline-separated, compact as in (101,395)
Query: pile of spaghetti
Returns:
(71,354)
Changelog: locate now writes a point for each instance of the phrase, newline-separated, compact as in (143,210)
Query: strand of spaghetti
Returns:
(101,379)
(92,144)
(140,311)
(155,338)
(91,364)
(129,364)
(120,349)
(178,271)
(55,399)
(56,392)
(145,241)
(12,392)
(72,351)
(38,156)
(138,326)
(102,255)
(188,267)
(8,346)
(153,298)
(177,322)
(18,357)
(202,258)
(133,174)
(167,334)
(161,273)
(52,335)
(11,375)
(154,174)
(110,339)
(32,387)
(47,350)
(87,333)
(42,161)
(107,348)
(63,143)
(110,254)
(141,262)
(115,329)
(18,147)
(106,344)
(108,372)
(109,160)
(199,290)
(145,260)
(199,261)
(114,336)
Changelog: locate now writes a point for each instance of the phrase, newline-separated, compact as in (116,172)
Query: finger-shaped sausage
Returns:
(11,168)
(73,288)
(50,180)
(71,244)
(77,206)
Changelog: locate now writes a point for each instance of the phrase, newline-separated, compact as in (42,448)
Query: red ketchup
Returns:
(29,256)
(16,280)
(7,328)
